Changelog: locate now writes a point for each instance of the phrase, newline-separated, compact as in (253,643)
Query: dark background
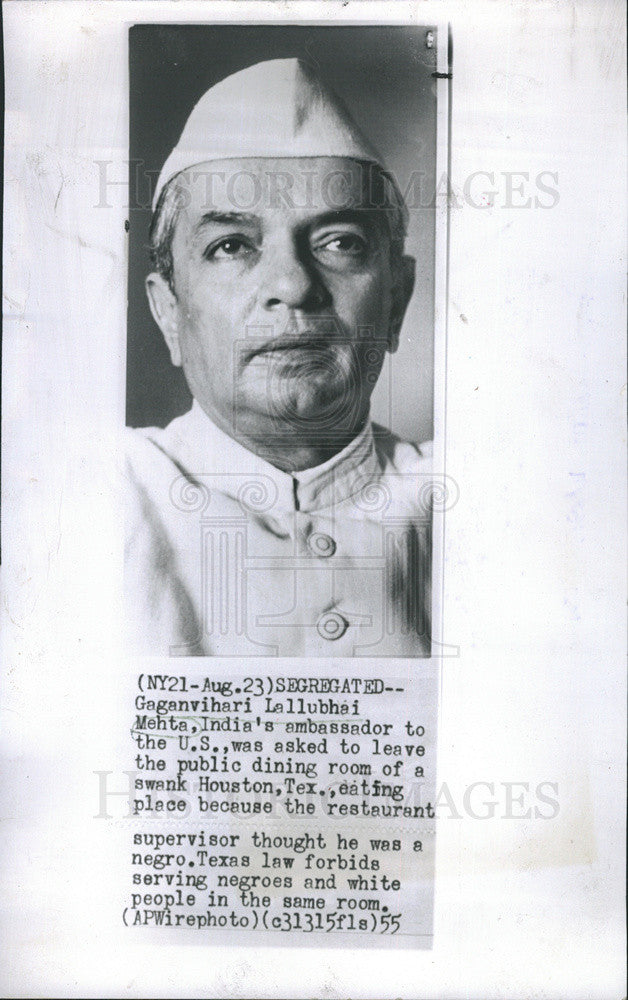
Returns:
(384,76)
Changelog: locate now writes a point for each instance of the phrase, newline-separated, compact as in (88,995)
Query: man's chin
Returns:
(295,405)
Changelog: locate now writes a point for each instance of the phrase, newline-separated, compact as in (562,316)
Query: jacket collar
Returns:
(204,449)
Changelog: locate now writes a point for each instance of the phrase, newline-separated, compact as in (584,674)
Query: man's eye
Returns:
(230,248)
(346,243)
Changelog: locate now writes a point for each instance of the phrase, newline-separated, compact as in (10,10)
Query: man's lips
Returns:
(300,343)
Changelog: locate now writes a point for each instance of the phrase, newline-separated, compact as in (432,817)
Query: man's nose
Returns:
(287,279)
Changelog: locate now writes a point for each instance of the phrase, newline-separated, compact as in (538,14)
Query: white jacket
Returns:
(229,556)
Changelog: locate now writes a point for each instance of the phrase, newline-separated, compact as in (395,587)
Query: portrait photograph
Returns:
(280,341)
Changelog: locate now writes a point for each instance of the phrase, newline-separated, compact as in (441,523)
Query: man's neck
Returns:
(289,452)
(297,457)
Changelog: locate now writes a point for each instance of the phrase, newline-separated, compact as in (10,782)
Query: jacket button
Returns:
(332,625)
(321,544)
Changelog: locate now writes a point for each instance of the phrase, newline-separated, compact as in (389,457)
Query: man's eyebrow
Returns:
(226,219)
(360,216)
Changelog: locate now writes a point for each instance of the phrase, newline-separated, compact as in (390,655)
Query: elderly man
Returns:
(274,519)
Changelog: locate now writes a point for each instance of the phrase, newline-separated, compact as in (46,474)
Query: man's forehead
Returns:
(257,186)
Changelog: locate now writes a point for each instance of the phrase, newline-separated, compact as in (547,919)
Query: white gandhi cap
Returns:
(279,108)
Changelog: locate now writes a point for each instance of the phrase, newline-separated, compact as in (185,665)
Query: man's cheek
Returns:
(371,316)
(197,343)
(372,294)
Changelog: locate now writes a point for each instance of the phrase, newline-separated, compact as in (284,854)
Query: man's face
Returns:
(285,298)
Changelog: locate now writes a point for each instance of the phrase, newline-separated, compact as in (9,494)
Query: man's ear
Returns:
(401,293)
(164,307)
